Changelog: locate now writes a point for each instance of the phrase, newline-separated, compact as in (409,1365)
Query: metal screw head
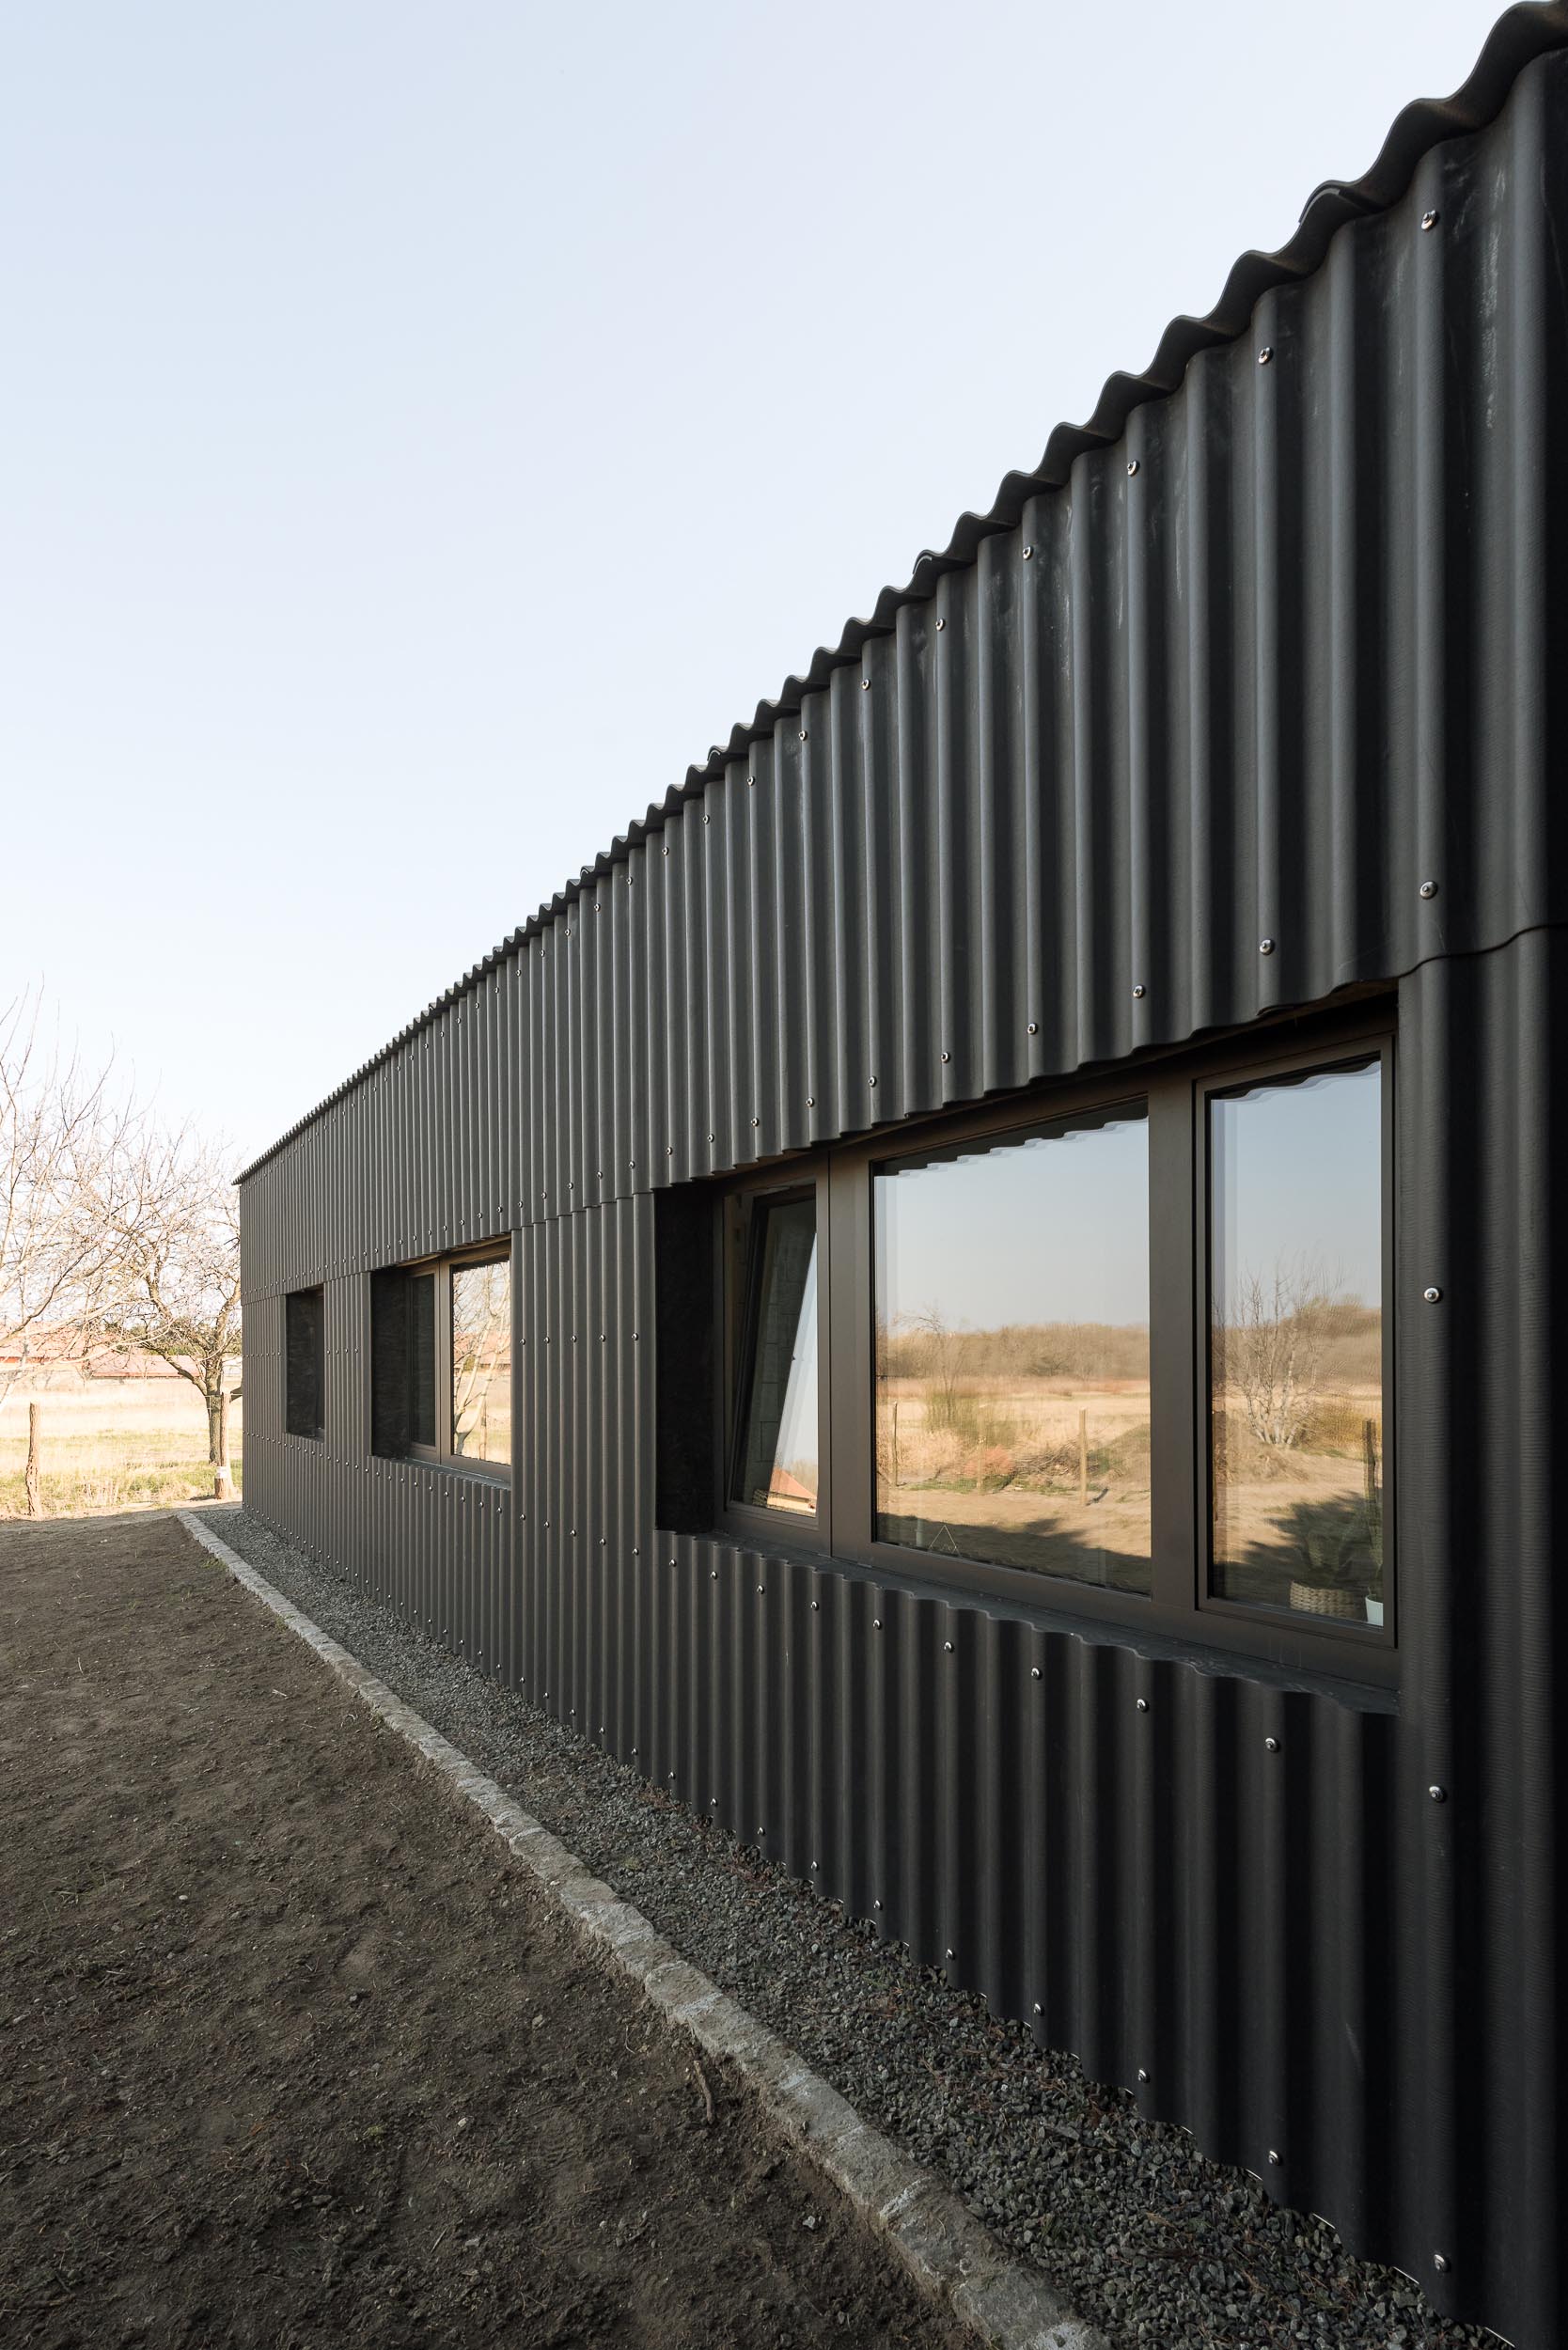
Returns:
(761,1831)
(751,783)
(1440,2262)
(713,1574)
(762,1587)
(947,1056)
(877,1904)
(949,1953)
(1271,1745)
(1028,551)
(1429,889)
(1141,2073)
(1139,992)
(706,820)
(1274,2160)
(876,1623)
(1430,220)
(1038,2009)
(1132,465)
(1433,1296)
(941,623)
(803,734)
(1438,1795)
(1034,1028)
(1266,354)
(811,1101)
(947,1645)
(1265,945)
(713,1803)
(757,1122)
(815,1604)
(865,685)
(871,1081)
(1034,1672)
(1141,1705)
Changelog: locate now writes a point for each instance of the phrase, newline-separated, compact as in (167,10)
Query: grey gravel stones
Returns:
(1140,2233)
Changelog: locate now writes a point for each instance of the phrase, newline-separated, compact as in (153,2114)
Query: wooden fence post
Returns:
(35,1497)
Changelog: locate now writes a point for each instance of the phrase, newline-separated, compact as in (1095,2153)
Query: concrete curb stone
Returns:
(948,2252)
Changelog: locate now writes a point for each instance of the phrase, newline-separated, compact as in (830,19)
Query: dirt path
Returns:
(288,2055)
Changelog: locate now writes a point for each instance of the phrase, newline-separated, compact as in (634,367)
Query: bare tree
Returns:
(175,1220)
(1269,1347)
(65,1136)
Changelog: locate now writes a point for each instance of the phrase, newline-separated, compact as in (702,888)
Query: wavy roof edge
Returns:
(1522,34)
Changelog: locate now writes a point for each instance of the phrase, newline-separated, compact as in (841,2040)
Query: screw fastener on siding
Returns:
(1266,354)
(1438,1795)
(1271,1745)
(1440,2262)
(1433,1297)
(1132,465)
(1430,220)
(1429,889)
(1265,945)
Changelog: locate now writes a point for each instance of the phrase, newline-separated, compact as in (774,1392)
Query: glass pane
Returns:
(776,1456)
(481,1362)
(1296,1354)
(421,1358)
(1012,1352)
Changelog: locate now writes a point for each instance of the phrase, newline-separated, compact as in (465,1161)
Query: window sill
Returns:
(464,1472)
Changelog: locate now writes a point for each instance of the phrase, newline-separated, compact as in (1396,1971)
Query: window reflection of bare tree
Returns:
(1269,1347)
(481,1332)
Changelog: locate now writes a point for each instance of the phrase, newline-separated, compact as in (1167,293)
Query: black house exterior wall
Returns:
(1308,656)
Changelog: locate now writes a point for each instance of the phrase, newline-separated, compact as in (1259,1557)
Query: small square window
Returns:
(304,1364)
(441,1361)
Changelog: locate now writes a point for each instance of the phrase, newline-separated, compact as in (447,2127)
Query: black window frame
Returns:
(1174,1089)
(316,1292)
(440,1453)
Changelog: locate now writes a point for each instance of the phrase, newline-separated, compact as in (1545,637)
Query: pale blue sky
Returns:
(427,428)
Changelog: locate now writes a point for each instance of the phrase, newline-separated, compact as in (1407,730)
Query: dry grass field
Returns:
(111,1445)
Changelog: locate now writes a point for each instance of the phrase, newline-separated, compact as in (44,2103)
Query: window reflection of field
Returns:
(1023,1448)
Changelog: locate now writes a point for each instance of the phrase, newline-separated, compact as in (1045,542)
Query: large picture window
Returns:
(441,1361)
(1012,1312)
(1129,1357)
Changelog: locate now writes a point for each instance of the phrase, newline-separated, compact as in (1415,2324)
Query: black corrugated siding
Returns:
(1307,657)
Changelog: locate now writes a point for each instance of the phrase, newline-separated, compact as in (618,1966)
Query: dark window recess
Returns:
(685,1359)
(403,1361)
(419,1367)
(304,1364)
(775,1456)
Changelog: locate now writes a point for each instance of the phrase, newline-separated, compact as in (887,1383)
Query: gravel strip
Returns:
(1136,2229)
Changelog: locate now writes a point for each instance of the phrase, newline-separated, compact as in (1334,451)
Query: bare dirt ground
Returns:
(290,2056)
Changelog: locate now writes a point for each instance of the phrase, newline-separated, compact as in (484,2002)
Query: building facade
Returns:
(979,1298)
